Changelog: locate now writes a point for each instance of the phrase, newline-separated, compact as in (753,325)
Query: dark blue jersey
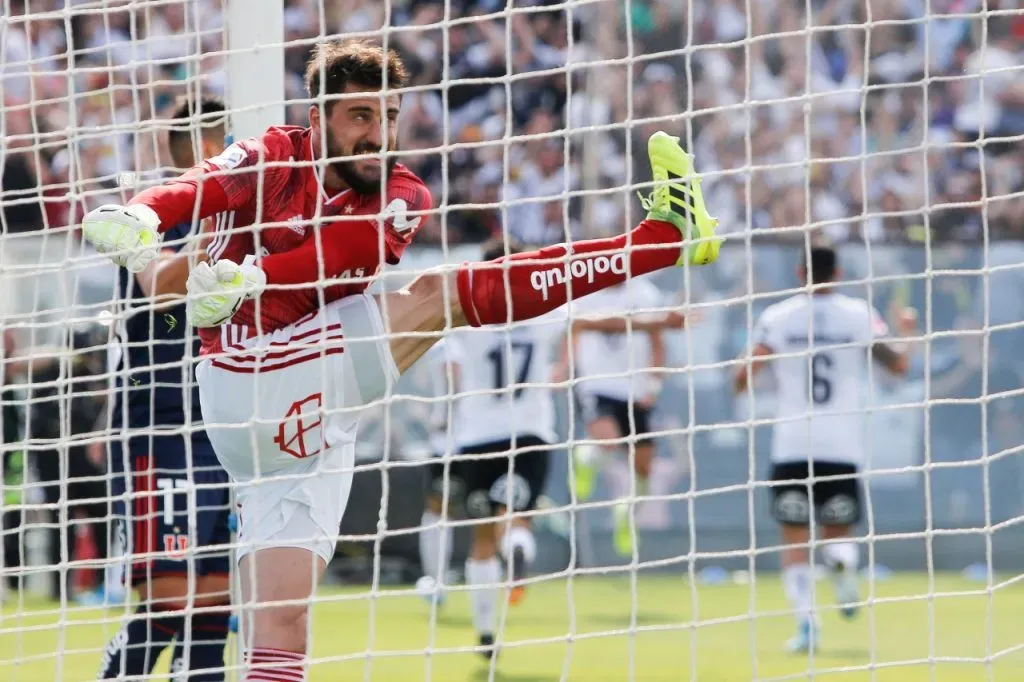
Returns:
(156,370)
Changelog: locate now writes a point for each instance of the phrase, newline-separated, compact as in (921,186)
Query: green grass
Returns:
(706,635)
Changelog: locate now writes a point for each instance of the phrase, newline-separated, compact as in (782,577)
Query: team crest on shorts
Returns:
(300,433)
(517,498)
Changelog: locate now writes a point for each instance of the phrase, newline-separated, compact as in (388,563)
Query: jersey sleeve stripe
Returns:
(224,224)
(218,236)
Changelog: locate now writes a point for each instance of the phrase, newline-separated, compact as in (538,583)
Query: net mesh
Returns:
(893,128)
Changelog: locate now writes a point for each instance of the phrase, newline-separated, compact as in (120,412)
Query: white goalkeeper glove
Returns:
(216,292)
(127,234)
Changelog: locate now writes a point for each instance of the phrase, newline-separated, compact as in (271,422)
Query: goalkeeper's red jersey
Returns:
(269,202)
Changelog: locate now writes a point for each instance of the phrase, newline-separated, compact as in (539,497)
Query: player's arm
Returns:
(216,292)
(164,278)
(766,338)
(561,371)
(30,361)
(658,362)
(131,234)
(745,373)
(353,245)
(622,324)
(895,357)
(440,413)
(441,374)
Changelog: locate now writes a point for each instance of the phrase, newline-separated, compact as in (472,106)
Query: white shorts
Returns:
(282,412)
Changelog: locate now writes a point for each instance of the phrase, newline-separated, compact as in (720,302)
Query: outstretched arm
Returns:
(621,324)
(174,202)
(225,182)
(895,357)
(759,359)
(130,235)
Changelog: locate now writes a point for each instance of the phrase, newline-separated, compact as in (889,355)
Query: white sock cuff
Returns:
(483,571)
(517,536)
(797,569)
(845,553)
(798,585)
(587,453)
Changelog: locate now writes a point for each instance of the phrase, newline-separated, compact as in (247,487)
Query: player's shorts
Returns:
(444,479)
(282,411)
(598,406)
(171,506)
(836,501)
(493,483)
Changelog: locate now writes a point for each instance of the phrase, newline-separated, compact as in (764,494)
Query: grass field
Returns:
(675,634)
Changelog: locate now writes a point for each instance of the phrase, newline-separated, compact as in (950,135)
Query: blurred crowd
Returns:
(881,135)
(52,467)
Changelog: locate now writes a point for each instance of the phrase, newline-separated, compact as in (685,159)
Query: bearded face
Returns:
(355,125)
(364,176)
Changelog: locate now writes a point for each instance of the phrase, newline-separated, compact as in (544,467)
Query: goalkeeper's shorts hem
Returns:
(300,506)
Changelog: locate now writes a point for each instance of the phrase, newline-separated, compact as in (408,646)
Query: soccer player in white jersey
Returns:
(618,364)
(292,346)
(817,345)
(505,429)
(444,487)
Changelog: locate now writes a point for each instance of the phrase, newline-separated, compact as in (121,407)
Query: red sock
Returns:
(276,665)
(537,279)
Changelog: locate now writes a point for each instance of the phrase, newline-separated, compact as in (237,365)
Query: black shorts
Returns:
(837,501)
(487,478)
(152,506)
(444,480)
(598,406)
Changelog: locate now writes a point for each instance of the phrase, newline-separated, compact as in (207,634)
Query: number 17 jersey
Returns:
(821,379)
(505,382)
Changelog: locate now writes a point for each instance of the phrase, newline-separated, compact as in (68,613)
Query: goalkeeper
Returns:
(161,460)
(292,346)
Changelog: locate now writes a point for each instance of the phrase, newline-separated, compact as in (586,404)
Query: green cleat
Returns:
(622,536)
(678,199)
(584,472)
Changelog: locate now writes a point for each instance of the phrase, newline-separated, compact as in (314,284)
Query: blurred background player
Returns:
(504,429)
(161,459)
(618,364)
(64,397)
(444,486)
(818,444)
(12,468)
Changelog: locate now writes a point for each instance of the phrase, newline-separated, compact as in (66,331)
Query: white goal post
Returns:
(892,129)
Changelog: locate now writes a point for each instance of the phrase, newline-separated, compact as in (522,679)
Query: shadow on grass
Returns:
(843,654)
(463,621)
(625,620)
(484,675)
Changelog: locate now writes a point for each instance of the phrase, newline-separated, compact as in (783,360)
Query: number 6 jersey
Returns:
(505,385)
(824,340)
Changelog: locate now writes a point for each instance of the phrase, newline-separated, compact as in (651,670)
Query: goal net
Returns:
(893,129)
